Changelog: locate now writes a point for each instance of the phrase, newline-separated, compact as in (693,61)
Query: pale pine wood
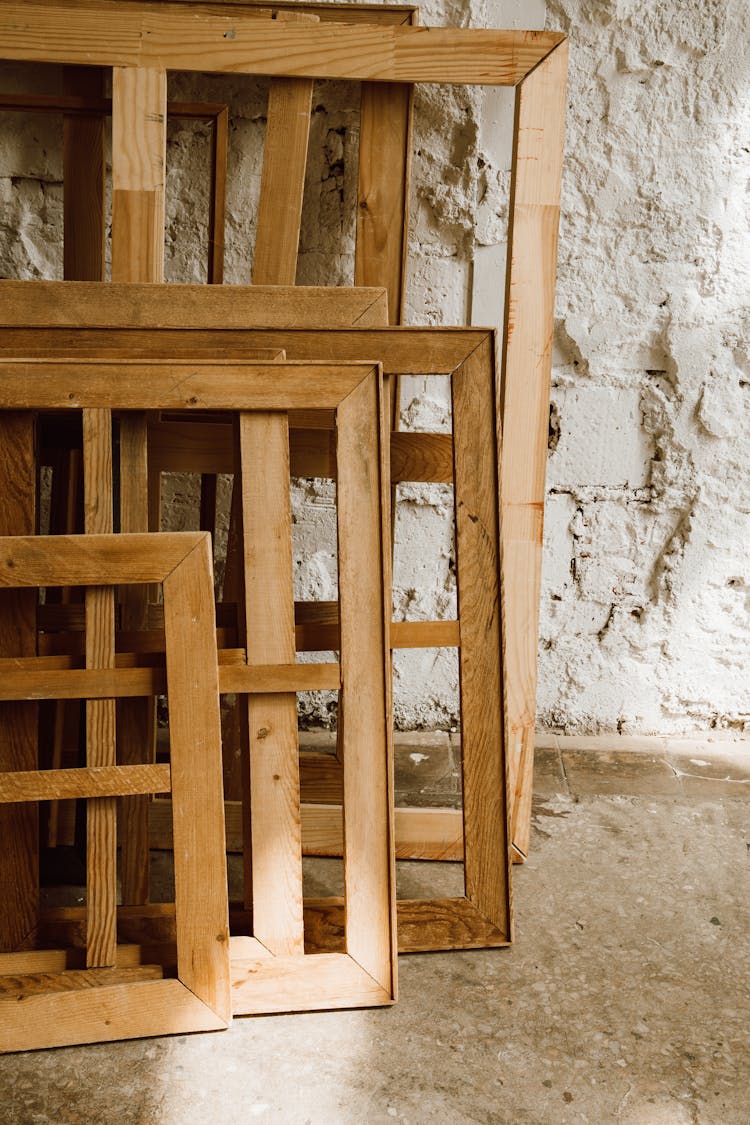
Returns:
(101,812)
(28,561)
(383,191)
(195,744)
(19,830)
(139,142)
(139,113)
(49,304)
(281,678)
(485,799)
(103,1014)
(275,850)
(296,984)
(527,360)
(364,584)
(56,960)
(155,35)
(93,781)
(20,986)
(165,385)
(282,181)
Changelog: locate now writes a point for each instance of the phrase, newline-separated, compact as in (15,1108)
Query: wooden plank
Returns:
(262,985)
(83,180)
(282,181)
(21,986)
(278,679)
(101,812)
(383,191)
(156,35)
(41,304)
(181,447)
(139,111)
(164,385)
(101,1015)
(56,960)
(275,833)
(421,834)
(19,831)
(195,745)
(27,561)
(527,360)
(363,520)
(94,781)
(484,765)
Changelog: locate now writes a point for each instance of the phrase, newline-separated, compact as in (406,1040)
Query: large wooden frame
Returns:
(470,459)
(270,971)
(116,995)
(142,39)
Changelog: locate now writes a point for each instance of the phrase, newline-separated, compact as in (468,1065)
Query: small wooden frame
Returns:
(115,996)
(470,459)
(271,970)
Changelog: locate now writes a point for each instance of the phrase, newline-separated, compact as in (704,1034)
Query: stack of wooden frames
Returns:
(105,386)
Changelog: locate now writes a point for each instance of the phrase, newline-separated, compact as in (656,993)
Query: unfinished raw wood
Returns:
(366,972)
(62,1006)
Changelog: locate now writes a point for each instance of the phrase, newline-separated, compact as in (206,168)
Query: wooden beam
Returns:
(97,781)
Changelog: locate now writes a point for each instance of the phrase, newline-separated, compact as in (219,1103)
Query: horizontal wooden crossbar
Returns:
(70,105)
(82,560)
(29,679)
(162,35)
(176,385)
(94,781)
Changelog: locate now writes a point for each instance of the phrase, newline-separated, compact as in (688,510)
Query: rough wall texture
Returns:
(645,602)
(646,622)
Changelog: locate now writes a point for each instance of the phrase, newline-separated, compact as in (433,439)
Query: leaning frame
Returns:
(483,916)
(62,1006)
(270,971)
(148,38)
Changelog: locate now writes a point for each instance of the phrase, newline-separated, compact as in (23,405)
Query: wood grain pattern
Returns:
(484,764)
(28,561)
(19,830)
(164,385)
(101,812)
(276,848)
(363,520)
(527,359)
(383,190)
(195,743)
(20,986)
(157,35)
(139,121)
(93,781)
(103,1014)
(49,304)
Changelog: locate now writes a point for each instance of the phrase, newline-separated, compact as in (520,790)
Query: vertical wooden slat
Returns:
(19,853)
(527,357)
(83,179)
(282,182)
(139,113)
(218,202)
(275,822)
(486,829)
(197,799)
(363,515)
(101,812)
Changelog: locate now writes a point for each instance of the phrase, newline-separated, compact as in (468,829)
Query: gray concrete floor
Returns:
(626,997)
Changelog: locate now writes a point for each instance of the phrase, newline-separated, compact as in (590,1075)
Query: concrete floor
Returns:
(626,997)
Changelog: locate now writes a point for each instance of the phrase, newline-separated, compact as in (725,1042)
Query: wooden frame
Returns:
(117,996)
(270,970)
(483,916)
(148,38)
(217,116)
